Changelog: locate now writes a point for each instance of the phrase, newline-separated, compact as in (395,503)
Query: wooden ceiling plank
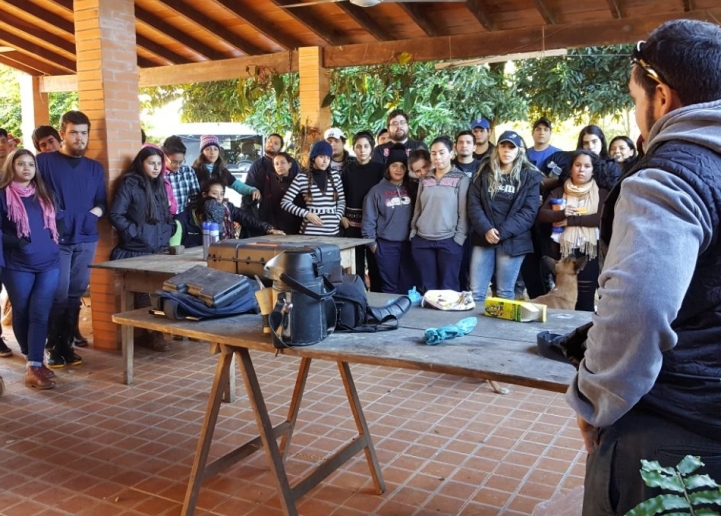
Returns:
(173,32)
(272,32)
(159,50)
(607,32)
(20,66)
(615,8)
(41,15)
(687,6)
(46,39)
(305,16)
(29,48)
(279,62)
(420,18)
(67,4)
(214,27)
(34,66)
(546,13)
(144,62)
(365,20)
(480,12)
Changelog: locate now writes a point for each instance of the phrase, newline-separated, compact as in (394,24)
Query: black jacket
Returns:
(515,231)
(193,234)
(129,216)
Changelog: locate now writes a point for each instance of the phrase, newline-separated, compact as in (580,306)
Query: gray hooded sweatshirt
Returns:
(660,228)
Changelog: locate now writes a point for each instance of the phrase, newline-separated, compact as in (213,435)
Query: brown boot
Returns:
(47,372)
(35,377)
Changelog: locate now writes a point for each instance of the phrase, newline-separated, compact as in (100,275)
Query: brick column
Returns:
(35,108)
(108,94)
(314,86)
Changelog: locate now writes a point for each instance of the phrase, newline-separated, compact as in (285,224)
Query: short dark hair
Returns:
(445,140)
(395,113)
(417,155)
(595,130)
(282,142)
(174,145)
(3,133)
(284,155)
(75,118)
(687,56)
(43,131)
(466,133)
(596,162)
(364,134)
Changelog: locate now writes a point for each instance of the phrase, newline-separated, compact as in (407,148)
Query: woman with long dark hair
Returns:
(32,260)
(140,214)
(623,150)
(579,221)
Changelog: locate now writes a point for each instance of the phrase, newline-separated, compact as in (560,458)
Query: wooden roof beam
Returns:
(320,27)
(615,8)
(272,32)
(499,43)
(44,16)
(28,64)
(687,5)
(159,50)
(144,62)
(214,27)
(192,44)
(480,12)
(48,40)
(419,17)
(546,13)
(25,46)
(361,17)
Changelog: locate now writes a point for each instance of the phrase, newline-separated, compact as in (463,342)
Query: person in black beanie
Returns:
(358,177)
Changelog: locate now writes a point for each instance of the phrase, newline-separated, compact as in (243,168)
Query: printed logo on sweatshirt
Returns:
(445,181)
(394,200)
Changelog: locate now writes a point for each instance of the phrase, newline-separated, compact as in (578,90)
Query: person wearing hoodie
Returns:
(358,177)
(322,190)
(210,165)
(440,225)
(387,214)
(648,387)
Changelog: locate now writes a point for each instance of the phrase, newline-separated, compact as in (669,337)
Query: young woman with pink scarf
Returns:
(32,264)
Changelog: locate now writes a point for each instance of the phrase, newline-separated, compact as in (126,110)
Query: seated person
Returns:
(209,206)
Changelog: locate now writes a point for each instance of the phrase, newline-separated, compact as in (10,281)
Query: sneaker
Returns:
(5,351)
(72,358)
(79,340)
(54,359)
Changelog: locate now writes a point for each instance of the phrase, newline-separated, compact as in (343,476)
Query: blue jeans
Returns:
(31,294)
(438,262)
(485,261)
(75,260)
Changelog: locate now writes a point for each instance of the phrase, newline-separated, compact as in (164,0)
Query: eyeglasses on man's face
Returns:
(399,123)
(637,59)
(177,163)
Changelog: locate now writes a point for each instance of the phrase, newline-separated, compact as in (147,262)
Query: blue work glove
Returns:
(462,327)
(415,297)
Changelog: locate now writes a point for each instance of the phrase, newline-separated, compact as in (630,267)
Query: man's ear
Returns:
(665,100)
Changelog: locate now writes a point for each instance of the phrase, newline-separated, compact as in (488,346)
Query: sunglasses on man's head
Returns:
(637,59)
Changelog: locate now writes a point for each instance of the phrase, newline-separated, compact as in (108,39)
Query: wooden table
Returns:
(496,350)
(147,274)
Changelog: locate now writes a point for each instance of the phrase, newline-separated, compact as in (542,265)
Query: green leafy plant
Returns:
(691,493)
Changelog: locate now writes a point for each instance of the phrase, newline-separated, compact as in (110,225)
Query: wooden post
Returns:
(34,106)
(314,87)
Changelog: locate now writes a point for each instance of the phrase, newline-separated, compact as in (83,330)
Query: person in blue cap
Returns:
(481,129)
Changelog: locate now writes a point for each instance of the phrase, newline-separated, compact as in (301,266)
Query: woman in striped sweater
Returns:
(322,190)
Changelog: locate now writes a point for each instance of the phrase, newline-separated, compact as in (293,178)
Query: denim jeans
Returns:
(487,261)
(31,294)
(75,260)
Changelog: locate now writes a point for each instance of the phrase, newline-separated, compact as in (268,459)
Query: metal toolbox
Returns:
(249,258)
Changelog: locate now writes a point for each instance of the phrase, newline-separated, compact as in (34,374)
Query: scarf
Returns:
(17,213)
(585,239)
(228,228)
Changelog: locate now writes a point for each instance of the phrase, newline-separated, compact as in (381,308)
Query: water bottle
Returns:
(206,239)
(214,232)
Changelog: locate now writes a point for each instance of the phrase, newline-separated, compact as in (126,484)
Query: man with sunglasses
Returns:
(649,386)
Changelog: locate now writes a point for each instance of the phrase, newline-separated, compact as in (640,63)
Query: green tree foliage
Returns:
(586,85)
(10,109)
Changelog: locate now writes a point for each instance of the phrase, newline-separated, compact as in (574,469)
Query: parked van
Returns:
(241,144)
